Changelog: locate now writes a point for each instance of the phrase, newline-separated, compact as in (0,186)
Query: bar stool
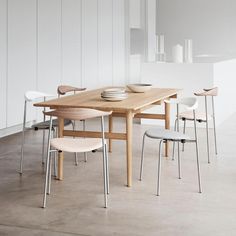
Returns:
(76,145)
(165,135)
(29,97)
(202,117)
(64,90)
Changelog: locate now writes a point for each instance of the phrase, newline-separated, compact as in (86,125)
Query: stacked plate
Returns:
(114,94)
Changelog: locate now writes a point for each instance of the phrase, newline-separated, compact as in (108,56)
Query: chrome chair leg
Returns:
(55,164)
(46,180)
(44,118)
(142,156)
(207,131)
(197,154)
(47,166)
(76,155)
(104,162)
(184,131)
(173,151)
(23,139)
(214,123)
(179,162)
(107,169)
(49,174)
(159,169)
(43,147)
(55,157)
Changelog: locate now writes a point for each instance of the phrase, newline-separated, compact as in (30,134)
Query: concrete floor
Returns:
(75,206)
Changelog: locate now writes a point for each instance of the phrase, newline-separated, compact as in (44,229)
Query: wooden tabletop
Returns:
(92,99)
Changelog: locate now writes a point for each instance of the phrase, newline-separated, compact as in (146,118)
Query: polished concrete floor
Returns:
(75,206)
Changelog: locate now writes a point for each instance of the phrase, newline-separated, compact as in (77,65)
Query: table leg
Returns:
(110,130)
(167,126)
(60,154)
(129,136)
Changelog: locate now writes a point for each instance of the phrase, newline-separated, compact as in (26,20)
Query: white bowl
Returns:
(139,88)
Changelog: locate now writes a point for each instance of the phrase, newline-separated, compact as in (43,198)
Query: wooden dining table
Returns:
(130,108)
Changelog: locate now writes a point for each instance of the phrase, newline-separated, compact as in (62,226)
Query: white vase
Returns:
(177,54)
(188,51)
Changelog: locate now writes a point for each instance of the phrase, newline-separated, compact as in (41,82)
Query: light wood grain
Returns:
(129,146)
(132,107)
(92,99)
(93,134)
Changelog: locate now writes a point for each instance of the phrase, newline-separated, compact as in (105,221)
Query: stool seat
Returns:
(158,133)
(76,145)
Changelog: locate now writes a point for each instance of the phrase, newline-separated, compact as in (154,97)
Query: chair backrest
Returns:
(190,103)
(208,92)
(63,89)
(33,95)
(77,113)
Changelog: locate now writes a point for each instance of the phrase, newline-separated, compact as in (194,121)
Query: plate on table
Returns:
(114,94)
(115,99)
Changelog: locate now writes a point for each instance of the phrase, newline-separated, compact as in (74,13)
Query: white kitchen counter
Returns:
(193,77)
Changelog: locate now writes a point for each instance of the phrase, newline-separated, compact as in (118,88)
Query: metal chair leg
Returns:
(159,169)
(107,169)
(49,174)
(105,177)
(197,155)
(55,157)
(47,166)
(55,164)
(23,139)
(43,147)
(76,155)
(214,123)
(184,131)
(173,151)
(46,181)
(104,162)
(179,162)
(141,166)
(207,131)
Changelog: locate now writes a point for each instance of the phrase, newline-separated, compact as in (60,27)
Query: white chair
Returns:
(64,90)
(202,117)
(175,136)
(76,145)
(30,97)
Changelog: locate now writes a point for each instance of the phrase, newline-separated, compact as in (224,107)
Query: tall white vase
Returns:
(188,51)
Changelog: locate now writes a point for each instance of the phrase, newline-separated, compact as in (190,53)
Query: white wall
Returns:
(3,62)
(210,23)
(44,43)
(224,78)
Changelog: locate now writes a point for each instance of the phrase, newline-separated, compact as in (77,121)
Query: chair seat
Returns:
(200,116)
(46,124)
(77,144)
(166,134)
